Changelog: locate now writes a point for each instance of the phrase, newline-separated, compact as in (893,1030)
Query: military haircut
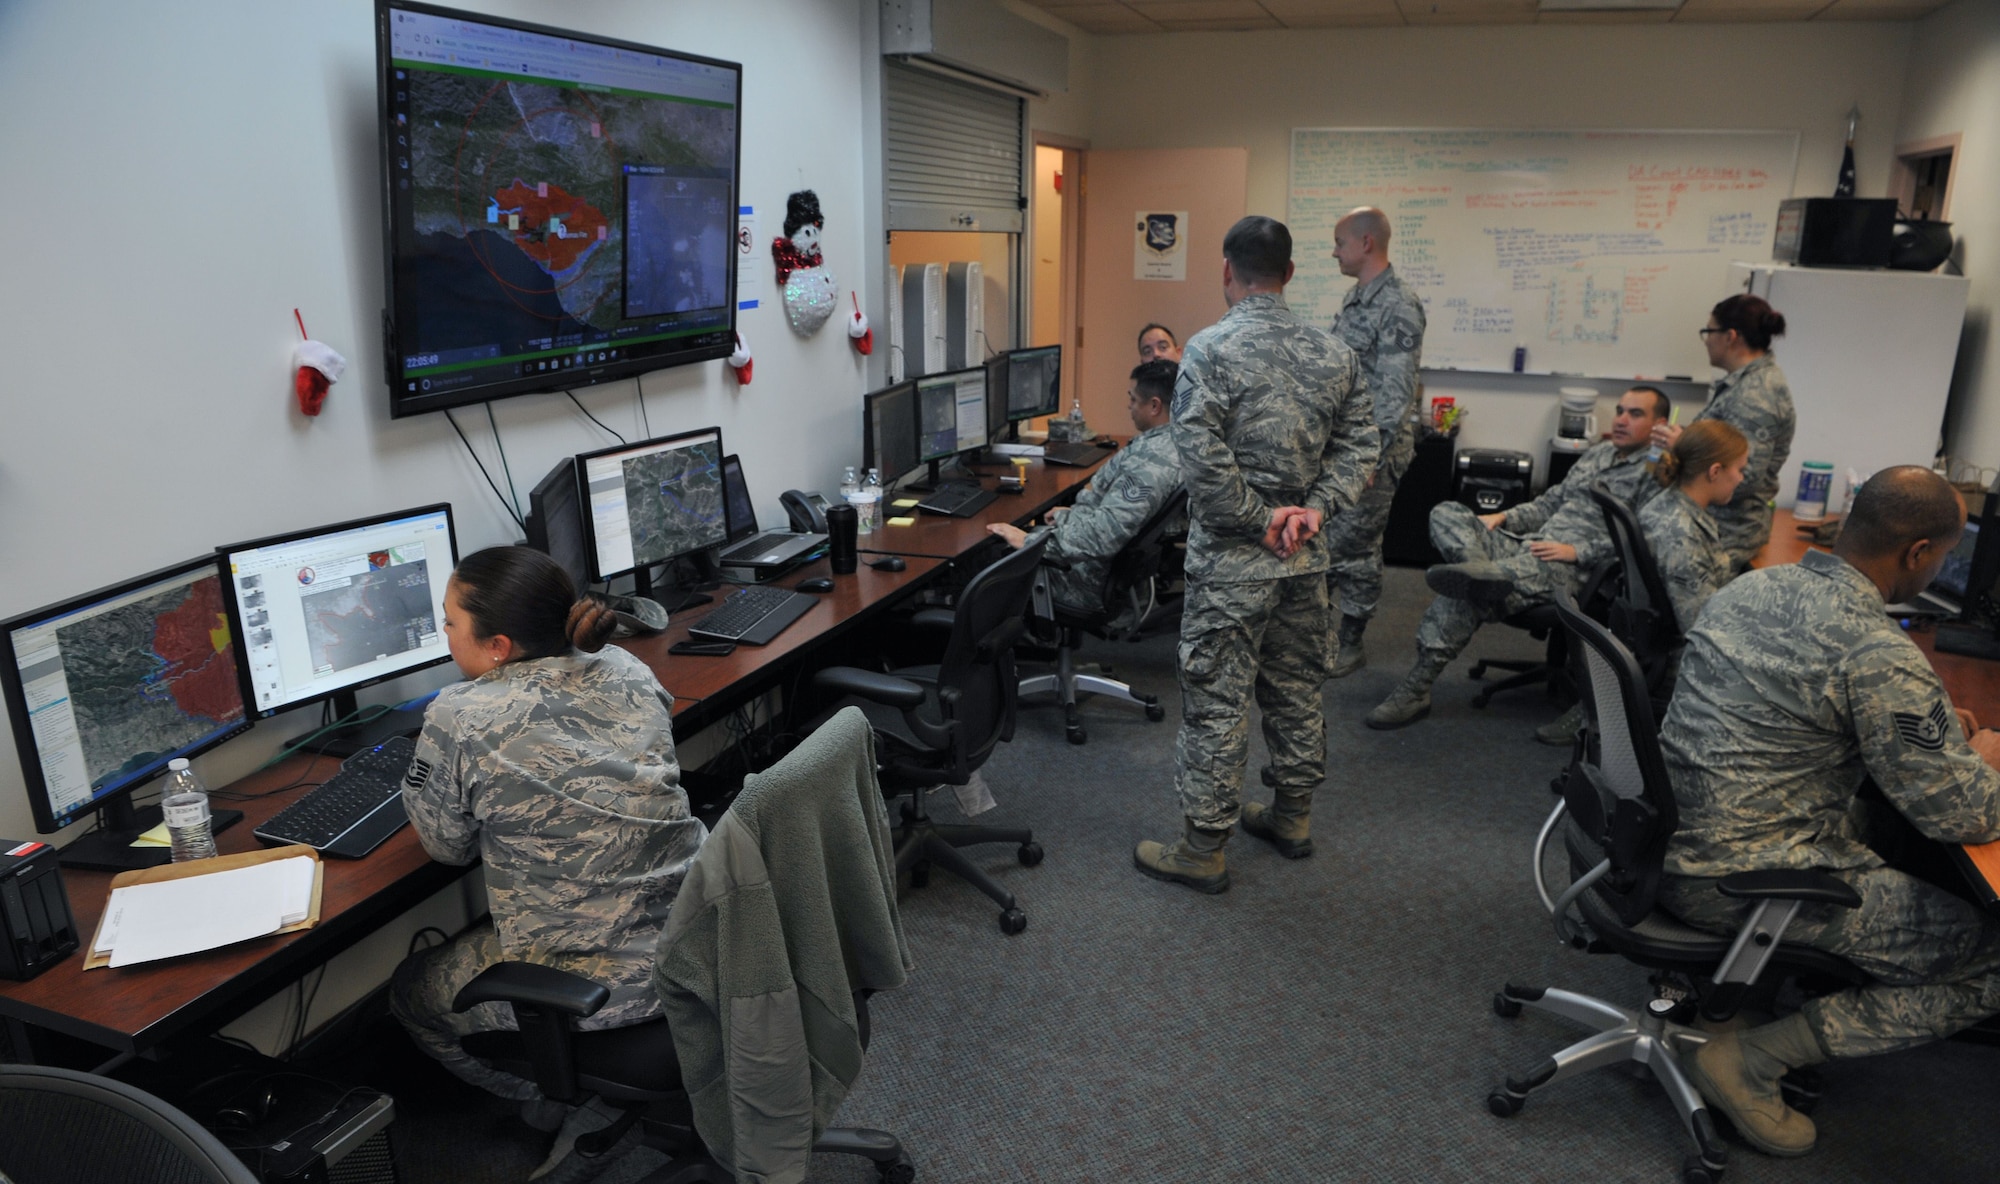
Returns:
(1897,507)
(1663,407)
(1259,249)
(1155,379)
(1369,221)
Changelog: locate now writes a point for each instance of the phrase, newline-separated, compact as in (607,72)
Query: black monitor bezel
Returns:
(29,753)
(1056,395)
(235,610)
(590,519)
(869,452)
(402,404)
(996,409)
(962,447)
(537,521)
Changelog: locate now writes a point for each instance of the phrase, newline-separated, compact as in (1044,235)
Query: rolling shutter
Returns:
(953,153)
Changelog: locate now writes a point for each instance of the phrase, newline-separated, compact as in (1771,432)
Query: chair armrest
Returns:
(1789,884)
(1055,564)
(870,684)
(535,985)
(933,618)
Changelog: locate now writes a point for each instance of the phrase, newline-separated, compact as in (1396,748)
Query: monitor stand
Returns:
(110,849)
(930,484)
(671,595)
(362,735)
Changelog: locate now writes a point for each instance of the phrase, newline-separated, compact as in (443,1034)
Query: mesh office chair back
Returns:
(977,670)
(1639,610)
(58,1126)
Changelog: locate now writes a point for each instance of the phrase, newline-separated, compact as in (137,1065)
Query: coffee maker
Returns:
(1576,429)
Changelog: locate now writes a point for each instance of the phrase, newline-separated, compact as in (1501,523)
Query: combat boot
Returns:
(1351,656)
(1562,733)
(1411,700)
(1195,860)
(1285,824)
(1480,581)
(1738,1074)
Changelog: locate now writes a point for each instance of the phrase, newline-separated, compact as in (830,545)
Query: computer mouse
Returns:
(816,584)
(888,563)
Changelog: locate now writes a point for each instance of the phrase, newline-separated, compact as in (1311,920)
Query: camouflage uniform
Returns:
(1755,400)
(1794,688)
(1382,321)
(1128,490)
(1564,513)
(1683,539)
(1268,412)
(559,774)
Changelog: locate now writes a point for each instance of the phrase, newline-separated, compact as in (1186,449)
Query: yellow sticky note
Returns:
(903,520)
(1021,462)
(156,837)
(904,503)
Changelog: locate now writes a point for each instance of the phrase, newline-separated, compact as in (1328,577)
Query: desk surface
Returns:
(132,1009)
(948,538)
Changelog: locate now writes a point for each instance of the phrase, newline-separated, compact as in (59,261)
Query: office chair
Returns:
(1128,591)
(58,1126)
(1540,622)
(936,725)
(1616,814)
(1638,608)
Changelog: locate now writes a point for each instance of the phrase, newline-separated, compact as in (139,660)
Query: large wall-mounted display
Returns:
(560,208)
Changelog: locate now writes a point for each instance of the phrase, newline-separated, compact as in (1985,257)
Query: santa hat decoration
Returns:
(741,362)
(319,366)
(858,330)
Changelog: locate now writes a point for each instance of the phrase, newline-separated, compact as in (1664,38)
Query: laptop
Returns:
(1968,572)
(747,546)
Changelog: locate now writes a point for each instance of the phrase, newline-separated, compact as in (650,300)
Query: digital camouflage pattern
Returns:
(1268,412)
(1382,321)
(1124,494)
(1566,513)
(560,775)
(1757,401)
(1241,643)
(1686,547)
(1448,624)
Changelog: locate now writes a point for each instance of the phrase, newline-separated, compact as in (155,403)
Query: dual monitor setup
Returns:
(929,420)
(106,688)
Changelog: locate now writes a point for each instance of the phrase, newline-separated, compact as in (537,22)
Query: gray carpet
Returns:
(1326,1019)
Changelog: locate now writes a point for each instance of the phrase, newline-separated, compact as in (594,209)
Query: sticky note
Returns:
(904,503)
(903,520)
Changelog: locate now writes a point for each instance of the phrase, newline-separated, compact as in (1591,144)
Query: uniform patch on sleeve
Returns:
(1925,731)
(420,774)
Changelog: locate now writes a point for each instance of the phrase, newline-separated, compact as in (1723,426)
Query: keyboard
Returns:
(957,501)
(355,811)
(754,615)
(1071,453)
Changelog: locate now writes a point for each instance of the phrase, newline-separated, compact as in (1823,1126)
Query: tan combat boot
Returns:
(1195,860)
(1351,656)
(1285,824)
(1738,1073)
(1480,581)
(1411,700)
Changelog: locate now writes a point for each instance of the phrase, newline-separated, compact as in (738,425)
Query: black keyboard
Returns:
(1071,453)
(754,615)
(957,501)
(355,810)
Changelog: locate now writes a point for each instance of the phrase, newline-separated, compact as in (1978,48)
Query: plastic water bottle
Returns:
(850,484)
(186,806)
(870,507)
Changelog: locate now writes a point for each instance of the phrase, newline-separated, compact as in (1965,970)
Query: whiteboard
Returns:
(1601,252)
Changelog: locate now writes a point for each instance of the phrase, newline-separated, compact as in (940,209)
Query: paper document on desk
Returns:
(147,922)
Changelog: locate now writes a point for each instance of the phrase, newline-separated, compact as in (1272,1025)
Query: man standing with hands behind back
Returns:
(1275,433)
(1382,321)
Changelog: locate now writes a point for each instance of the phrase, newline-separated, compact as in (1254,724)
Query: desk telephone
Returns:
(806,510)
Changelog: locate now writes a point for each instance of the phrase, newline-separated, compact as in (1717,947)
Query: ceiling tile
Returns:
(1308,14)
(1106,18)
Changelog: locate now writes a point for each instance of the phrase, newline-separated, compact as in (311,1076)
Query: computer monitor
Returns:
(327,611)
(555,522)
(1034,382)
(105,688)
(653,502)
(937,417)
(996,397)
(889,430)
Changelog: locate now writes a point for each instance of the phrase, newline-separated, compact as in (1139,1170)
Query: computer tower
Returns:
(35,922)
(1493,479)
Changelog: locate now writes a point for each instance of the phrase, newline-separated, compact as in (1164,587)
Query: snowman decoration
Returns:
(810,292)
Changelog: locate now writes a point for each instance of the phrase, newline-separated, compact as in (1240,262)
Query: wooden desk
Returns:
(1786,544)
(948,538)
(133,1009)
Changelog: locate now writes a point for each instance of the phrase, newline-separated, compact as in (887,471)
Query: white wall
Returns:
(181,176)
(1954,86)
(1223,89)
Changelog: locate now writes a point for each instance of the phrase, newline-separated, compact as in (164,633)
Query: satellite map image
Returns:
(530,184)
(385,610)
(673,500)
(150,677)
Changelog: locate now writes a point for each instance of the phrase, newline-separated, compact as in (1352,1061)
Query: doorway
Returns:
(1054,284)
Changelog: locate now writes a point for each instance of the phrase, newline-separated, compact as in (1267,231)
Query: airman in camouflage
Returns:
(1382,321)
(1684,541)
(1122,496)
(559,774)
(1795,688)
(1757,401)
(1276,435)
(1501,564)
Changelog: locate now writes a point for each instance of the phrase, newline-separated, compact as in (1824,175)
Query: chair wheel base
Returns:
(1075,734)
(1029,854)
(902,1171)
(1155,712)
(1696,1170)
(1481,699)
(1013,921)
(1505,1007)
(1504,1104)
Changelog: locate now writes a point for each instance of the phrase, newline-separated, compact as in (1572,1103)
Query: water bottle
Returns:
(870,506)
(185,804)
(850,484)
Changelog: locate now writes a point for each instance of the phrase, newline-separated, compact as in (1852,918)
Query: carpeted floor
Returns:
(1326,1019)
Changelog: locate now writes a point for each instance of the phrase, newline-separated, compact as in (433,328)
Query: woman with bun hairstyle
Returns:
(554,764)
(1702,470)
(1753,397)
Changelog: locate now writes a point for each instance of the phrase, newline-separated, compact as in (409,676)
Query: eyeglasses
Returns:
(1706,332)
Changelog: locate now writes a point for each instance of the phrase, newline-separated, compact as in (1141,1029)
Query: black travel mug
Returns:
(841,524)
